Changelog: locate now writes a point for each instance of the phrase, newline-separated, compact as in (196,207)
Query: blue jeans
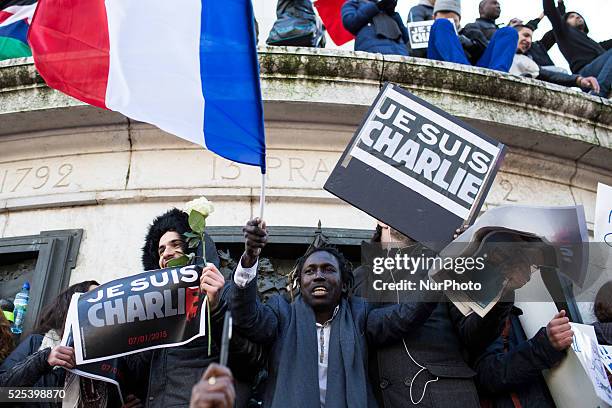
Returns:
(444,45)
(600,68)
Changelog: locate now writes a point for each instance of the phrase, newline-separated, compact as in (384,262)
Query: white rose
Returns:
(201,205)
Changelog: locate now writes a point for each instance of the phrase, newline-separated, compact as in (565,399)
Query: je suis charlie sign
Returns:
(416,168)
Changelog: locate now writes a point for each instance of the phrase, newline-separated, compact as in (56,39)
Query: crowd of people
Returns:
(326,346)
(379,28)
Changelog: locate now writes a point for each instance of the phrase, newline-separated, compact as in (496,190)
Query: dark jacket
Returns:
(420,12)
(442,345)
(173,372)
(474,42)
(539,49)
(484,25)
(604,333)
(577,47)
(513,364)
(357,18)
(26,366)
(271,322)
(558,78)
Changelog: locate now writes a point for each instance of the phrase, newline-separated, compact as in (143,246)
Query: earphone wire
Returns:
(422,368)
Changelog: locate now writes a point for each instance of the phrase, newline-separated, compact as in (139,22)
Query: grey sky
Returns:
(596,12)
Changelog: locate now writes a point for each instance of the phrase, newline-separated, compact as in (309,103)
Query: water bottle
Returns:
(21,305)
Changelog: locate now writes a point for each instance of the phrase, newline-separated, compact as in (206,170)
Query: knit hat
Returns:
(448,5)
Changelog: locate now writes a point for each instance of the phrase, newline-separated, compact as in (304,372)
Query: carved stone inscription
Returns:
(17,179)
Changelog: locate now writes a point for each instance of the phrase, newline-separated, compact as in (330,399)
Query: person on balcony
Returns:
(421,12)
(524,65)
(586,56)
(376,25)
(489,11)
(447,43)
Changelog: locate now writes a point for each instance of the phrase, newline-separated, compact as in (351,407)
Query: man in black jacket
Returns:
(585,56)
(429,366)
(489,11)
(172,372)
(510,370)
(524,65)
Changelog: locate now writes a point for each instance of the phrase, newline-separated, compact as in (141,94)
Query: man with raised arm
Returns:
(320,341)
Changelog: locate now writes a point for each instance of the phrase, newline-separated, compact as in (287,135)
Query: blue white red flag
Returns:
(189,67)
(15,18)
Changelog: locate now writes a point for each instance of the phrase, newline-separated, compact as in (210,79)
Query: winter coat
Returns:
(27,366)
(357,18)
(512,367)
(275,323)
(430,365)
(576,46)
(485,26)
(421,12)
(173,372)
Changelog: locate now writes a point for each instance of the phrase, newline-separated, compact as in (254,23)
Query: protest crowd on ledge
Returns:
(426,317)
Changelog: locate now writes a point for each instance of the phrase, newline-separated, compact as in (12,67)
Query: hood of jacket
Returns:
(586,26)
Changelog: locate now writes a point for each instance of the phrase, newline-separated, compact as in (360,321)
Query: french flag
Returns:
(188,67)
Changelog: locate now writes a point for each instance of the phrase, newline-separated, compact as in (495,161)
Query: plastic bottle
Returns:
(21,305)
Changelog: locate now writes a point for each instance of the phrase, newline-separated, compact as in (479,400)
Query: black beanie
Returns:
(173,220)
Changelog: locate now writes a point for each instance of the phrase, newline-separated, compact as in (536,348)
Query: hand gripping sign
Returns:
(416,168)
(150,310)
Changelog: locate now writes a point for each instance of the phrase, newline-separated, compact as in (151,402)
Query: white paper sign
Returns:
(606,356)
(603,214)
(418,33)
(587,350)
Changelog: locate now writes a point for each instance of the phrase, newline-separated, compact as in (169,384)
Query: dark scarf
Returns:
(297,384)
(386,26)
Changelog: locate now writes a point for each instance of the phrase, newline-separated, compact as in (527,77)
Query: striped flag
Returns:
(15,18)
(330,12)
(189,67)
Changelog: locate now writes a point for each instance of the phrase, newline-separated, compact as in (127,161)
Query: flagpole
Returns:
(262,196)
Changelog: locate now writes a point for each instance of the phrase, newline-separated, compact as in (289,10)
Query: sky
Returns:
(596,12)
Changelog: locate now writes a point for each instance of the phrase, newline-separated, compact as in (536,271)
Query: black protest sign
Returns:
(416,168)
(418,33)
(150,310)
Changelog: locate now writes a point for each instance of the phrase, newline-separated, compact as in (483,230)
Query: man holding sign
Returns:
(184,365)
(422,13)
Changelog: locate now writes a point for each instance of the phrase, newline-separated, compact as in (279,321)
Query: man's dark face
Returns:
(321,281)
(575,20)
(491,9)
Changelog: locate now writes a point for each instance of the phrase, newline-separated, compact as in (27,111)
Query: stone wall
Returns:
(65,165)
